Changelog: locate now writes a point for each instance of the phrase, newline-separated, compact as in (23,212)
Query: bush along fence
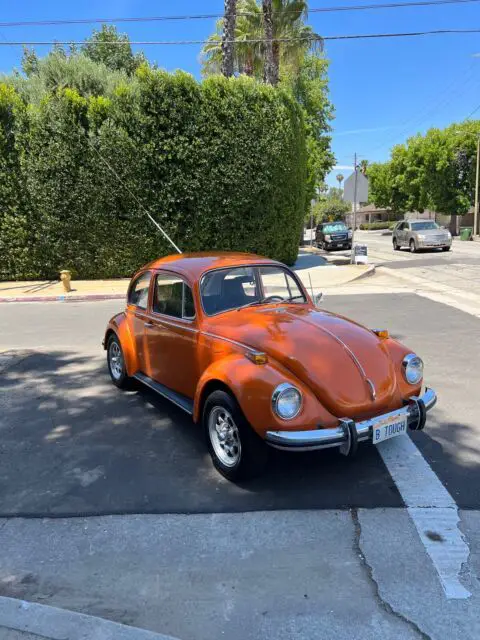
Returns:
(221,165)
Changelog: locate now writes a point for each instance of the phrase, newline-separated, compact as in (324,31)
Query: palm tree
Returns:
(340,179)
(363,166)
(287,22)
(229,20)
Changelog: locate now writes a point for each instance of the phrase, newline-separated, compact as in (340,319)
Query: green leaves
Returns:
(221,165)
(435,171)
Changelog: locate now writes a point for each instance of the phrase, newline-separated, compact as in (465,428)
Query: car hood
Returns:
(347,366)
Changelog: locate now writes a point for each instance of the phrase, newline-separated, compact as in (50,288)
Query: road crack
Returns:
(383,604)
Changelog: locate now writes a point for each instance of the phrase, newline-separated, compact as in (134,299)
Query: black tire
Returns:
(119,375)
(396,246)
(446,248)
(413,248)
(252,451)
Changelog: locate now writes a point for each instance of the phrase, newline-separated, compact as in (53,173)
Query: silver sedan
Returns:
(421,234)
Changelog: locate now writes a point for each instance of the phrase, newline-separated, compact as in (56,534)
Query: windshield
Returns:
(335,226)
(424,225)
(226,289)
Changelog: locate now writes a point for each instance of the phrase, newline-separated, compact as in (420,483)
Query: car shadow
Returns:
(72,444)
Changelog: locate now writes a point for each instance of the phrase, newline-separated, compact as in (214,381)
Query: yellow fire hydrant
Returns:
(65,277)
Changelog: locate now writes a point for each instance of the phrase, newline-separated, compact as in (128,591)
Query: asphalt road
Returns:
(83,447)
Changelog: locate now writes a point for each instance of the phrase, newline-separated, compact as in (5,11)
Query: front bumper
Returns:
(433,244)
(350,433)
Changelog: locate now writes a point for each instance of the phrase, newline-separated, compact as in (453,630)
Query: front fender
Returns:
(397,352)
(120,327)
(253,385)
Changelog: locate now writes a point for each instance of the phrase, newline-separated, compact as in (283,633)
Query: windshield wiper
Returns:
(251,304)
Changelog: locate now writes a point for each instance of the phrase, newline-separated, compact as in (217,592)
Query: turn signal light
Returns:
(381,333)
(257,357)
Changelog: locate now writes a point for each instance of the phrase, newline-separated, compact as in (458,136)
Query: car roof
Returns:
(193,265)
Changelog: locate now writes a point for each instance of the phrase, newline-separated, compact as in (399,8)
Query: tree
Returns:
(309,87)
(330,207)
(288,25)
(118,56)
(435,171)
(228,45)
(363,166)
(340,179)
(271,69)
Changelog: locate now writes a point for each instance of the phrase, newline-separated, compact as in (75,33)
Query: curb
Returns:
(366,274)
(58,624)
(86,298)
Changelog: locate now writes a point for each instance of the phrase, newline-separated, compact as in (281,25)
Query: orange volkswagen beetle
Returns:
(236,341)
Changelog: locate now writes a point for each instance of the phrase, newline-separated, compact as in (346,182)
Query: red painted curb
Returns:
(86,298)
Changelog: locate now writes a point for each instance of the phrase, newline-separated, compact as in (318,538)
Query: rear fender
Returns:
(253,386)
(120,327)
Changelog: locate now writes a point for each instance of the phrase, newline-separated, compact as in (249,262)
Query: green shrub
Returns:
(220,165)
(372,226)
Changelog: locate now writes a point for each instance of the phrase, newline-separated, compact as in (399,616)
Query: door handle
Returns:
(148,324)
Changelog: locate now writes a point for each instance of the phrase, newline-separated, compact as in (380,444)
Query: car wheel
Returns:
(116,364)
(446,248)
(396,246)
(413,248)
(237,452)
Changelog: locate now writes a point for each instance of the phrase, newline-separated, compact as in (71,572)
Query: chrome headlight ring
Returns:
(287,401)
(412,368)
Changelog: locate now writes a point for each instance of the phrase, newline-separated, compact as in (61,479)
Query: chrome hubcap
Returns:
(116,360)
(224,436)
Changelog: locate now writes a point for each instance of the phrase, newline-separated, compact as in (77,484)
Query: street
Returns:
(319,545)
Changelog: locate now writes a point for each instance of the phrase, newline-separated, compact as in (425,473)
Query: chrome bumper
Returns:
(350,433)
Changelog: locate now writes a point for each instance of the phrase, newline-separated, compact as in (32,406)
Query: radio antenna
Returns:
(165,235)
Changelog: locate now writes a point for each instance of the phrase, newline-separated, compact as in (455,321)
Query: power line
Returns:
(210,16)
(473,112)
(362,36)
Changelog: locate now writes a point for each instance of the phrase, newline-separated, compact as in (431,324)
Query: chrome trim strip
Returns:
(237,344)
(163,391)
(159,318)
(335,437)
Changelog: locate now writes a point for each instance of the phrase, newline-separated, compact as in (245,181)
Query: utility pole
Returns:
(352,258)
(475,213)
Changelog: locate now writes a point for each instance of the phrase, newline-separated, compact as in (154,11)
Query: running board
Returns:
(177,398)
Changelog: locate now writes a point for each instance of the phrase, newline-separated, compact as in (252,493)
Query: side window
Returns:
(138,292)
(173,297)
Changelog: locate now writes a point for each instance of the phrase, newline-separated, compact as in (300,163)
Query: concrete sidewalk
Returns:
(22,620)
(309,267)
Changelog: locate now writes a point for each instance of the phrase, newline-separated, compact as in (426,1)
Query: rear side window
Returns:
(173,297)
(138,293)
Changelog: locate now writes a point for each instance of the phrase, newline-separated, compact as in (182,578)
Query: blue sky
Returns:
(383,90)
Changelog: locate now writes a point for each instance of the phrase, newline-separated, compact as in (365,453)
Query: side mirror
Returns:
(318,299)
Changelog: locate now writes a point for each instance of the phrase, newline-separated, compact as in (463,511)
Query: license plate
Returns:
(390,428)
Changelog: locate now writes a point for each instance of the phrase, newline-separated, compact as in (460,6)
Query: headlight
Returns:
(412,368)
(421,236)
(350,233)
(328,238)
(286,401)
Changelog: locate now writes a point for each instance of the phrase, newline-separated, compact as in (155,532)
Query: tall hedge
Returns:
(220,164)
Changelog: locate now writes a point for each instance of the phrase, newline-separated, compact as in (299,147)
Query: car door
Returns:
(137,314)
(171,335)
(401,235)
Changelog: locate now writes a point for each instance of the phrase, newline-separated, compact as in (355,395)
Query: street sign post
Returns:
(355,190)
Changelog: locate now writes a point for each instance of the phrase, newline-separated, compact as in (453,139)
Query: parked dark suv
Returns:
(333,235)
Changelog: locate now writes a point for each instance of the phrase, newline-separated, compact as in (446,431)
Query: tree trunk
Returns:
(228,37)
(276,63)
(269,68)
